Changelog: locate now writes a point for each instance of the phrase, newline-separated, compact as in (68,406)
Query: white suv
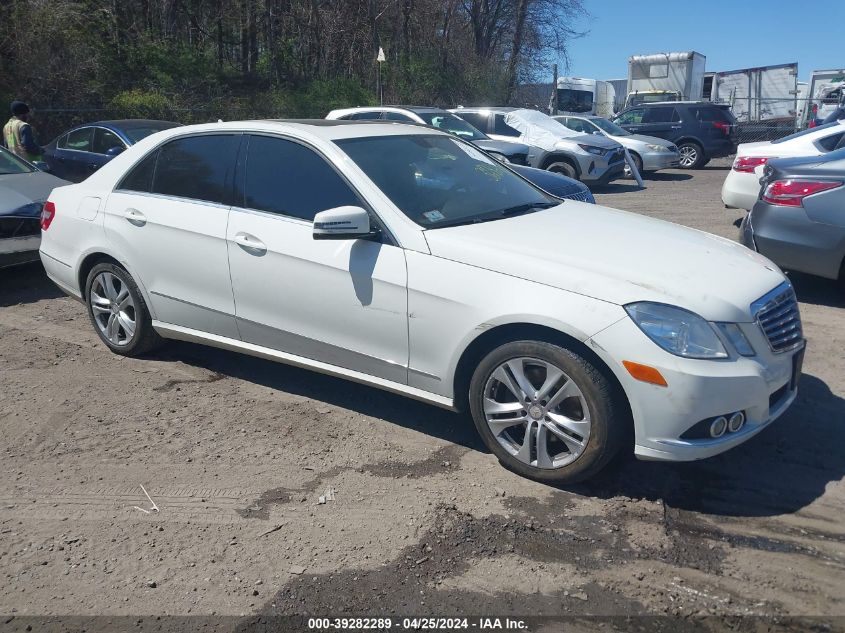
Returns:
(404,258)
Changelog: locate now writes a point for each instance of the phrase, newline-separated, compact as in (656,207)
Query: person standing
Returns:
(18,135)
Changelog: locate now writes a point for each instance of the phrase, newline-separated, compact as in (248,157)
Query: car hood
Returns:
(617,257)
(596,140)
(20,190)
(641,139)
(505,148)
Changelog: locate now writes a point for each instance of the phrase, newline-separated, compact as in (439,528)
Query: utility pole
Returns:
(380,59)
(553,97)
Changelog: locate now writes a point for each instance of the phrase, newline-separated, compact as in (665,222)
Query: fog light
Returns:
(736,422)
(718,426)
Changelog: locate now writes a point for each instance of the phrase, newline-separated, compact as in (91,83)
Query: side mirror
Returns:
(114,151)
(343,223)
(40,165)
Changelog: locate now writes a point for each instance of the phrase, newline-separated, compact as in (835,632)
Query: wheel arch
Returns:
(558,157)
(99,256)
(492,338)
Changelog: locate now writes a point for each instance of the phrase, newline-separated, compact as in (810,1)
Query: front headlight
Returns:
(676,330)
(598,151)
(734,334)
(657,148)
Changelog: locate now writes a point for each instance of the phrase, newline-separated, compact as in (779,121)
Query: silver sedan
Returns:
(648,152)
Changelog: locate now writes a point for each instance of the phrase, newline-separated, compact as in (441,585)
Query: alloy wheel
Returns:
(536,412)
(113,308)
(689,155)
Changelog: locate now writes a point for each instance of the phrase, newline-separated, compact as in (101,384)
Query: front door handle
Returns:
(250,243)
(135,217)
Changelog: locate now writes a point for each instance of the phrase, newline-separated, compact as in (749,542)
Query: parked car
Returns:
(506,151)
(590,159)
(649,153)
(81,151)
(798,220)
(742,184)
(701,130)
(515,154)
(564,328)
(23,190)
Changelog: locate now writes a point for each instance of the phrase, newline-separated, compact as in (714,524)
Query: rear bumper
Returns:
(788,237)
(740,190)
(718,149)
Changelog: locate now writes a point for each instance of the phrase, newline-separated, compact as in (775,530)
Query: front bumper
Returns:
(598,174)
(792,240)
(762,387)
(654,161)
(740,190)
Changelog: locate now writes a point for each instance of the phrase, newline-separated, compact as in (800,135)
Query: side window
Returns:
(197,167)
(396,116)
(62,142)
(475,119)
(290,179)
(80,140)
(105,139)
(660,114)
(829,143)
(631,117)
(140,178)
(364,116)
(577,125)
(500,127)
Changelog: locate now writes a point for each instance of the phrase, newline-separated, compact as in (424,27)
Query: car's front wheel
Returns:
(564,168)
(118,311)
(546,412)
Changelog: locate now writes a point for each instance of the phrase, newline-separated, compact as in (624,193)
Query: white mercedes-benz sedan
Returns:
(401,257)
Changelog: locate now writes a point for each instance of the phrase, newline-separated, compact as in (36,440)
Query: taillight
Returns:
(47,215)
(721,125)
(746,164)
(791,193)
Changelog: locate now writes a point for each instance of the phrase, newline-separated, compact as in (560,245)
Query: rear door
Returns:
(716,124)
(73,154)
(661,121)
(168,220)
(339,302)
(631,120)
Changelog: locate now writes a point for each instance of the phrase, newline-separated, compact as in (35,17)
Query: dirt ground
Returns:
(281,491)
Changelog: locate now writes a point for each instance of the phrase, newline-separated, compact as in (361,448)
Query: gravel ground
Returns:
(281,491)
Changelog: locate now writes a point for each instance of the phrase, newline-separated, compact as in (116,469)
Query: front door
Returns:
(339,302)
(168,218)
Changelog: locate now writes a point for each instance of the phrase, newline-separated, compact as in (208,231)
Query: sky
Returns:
(732,35)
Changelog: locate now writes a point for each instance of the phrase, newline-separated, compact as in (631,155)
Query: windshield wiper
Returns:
(525,208)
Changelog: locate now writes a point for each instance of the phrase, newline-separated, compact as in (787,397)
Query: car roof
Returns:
(127,124)
(681,103)
(323,129)
(486,109)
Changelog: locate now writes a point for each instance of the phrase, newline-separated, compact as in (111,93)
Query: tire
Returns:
(594,419)
(639,164)
(564,169)
(692,155)
(120,305)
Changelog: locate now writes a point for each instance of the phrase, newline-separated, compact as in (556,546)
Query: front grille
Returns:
(778,316)
(581,196)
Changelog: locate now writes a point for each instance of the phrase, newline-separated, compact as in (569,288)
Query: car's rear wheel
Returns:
(564,169)
(692,155)
(546,412)
(118,311)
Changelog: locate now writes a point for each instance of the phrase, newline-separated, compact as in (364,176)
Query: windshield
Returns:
(452,124)
(811,130)
(11,164)
(136,134)
(439,181)
(609,127)
(569,100)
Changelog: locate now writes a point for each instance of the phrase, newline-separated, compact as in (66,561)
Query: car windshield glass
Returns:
(609,127)
(440,181)
(136,134)
(811,130)
(569,100)
(11,164)
(452,124)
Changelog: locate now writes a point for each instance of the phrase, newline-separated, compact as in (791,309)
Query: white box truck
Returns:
(826,87)
(576,95)
(767,94)
(665,77)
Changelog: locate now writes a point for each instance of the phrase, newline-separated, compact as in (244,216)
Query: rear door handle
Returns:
(250,243)
(135,217)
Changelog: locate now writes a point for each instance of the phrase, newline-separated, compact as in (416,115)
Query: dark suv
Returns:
(701,130)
